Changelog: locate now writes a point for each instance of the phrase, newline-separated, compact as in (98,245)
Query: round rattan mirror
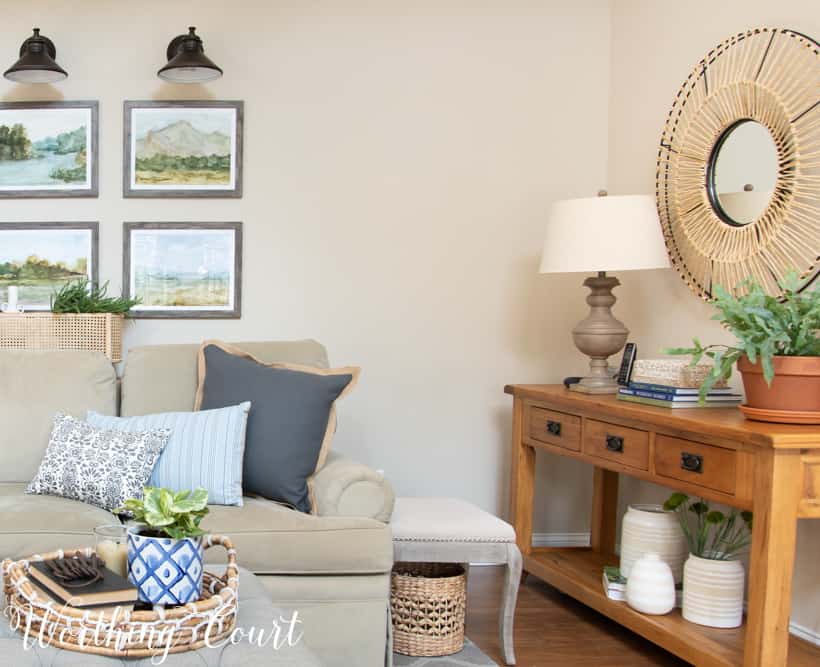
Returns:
(738,180)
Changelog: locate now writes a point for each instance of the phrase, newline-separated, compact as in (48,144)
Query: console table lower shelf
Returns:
(576,571)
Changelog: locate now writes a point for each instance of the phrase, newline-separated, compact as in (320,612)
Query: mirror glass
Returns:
(742,172)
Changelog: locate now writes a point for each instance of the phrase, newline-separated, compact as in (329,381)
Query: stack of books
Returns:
(677,397)
(673,383)
(614,583)
(104,595)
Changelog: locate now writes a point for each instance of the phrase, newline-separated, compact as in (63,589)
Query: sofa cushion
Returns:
(37,524)
(205,449)
(163,378)
(97,466)
(31,393)
(273,539)
(292,421)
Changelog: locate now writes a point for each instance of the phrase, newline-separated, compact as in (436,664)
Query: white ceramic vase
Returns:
(650,588)
(713,592)
(651,529)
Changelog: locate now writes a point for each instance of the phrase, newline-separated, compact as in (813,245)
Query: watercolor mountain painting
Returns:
(171,149)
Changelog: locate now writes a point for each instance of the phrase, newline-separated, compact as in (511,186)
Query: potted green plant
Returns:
(713,578)
(84,296)
(87,318)
(777,350)
(165,548)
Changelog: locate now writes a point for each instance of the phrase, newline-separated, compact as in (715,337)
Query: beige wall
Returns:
(654,47)
(400,158)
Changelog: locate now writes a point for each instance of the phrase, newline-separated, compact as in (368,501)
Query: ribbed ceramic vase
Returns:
(651,529)
(650,588)
(713,592)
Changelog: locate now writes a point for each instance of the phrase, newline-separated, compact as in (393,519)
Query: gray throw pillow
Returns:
(291,422)
(97,466)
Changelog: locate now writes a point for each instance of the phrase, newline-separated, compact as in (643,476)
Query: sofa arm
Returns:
(346,488)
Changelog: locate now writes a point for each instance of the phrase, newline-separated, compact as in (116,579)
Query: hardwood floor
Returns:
(552,629)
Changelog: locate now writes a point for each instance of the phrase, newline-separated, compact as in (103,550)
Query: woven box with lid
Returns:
(93,332)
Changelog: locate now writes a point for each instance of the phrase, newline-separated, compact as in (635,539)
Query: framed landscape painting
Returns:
(40,257)
(48,149)
(182,149)
(183,270)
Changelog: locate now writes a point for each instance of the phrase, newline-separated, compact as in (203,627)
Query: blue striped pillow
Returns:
(205,449)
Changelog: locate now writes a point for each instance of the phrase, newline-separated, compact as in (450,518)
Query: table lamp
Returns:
(597,235)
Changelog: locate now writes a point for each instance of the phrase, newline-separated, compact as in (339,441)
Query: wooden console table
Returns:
(772,469)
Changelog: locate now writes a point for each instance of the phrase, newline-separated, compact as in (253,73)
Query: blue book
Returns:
(676,391)
(680,398)
(677,404)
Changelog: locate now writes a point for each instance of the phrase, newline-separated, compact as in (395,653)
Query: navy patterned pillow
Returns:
(97,466)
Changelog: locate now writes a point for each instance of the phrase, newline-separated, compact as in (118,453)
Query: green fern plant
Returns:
(765,327)
(84,296)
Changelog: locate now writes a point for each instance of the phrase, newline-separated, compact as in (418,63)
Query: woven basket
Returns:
(428,602)
(129,634)
(93,332)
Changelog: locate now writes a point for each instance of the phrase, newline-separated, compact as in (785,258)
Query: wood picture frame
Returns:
(183,270)
(187,148)
(59,254)
(50,156)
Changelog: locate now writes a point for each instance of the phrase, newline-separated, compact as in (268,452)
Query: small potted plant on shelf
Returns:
(777,350)
(713,578)
(84,296)
(87,318)
(165,548)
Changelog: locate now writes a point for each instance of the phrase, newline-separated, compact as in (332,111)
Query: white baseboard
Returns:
(582,540)
(804,633)
(560,539)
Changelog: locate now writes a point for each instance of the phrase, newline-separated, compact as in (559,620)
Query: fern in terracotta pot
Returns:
(777,350)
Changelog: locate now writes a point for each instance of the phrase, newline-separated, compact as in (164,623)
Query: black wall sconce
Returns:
(36,64)
(187,62)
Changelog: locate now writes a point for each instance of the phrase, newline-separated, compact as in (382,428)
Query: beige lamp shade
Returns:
(594,234)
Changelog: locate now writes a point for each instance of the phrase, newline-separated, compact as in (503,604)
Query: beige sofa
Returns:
(334,567)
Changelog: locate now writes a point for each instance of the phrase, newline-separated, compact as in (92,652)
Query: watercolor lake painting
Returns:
(182,149)
(183,269)
(47,149)
(39,259)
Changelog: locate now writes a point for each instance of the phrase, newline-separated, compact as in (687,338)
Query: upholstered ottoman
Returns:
(447,530)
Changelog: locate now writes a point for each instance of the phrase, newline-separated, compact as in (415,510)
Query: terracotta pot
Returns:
(796,384)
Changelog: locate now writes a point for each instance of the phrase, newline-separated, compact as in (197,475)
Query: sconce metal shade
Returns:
(36,64)
(187,62)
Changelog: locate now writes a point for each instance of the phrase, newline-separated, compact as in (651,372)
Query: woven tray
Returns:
(93,332)
(136,634)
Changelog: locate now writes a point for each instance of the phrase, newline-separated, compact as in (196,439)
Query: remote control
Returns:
(625,371)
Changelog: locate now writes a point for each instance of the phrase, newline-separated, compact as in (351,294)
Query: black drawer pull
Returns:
(691,462)
(615,443)
(554,427)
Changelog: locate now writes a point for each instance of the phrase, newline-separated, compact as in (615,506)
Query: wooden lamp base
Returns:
(599,336)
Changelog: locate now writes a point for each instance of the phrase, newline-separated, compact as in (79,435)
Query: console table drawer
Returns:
(628,446)
(696,463)
(555,428)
